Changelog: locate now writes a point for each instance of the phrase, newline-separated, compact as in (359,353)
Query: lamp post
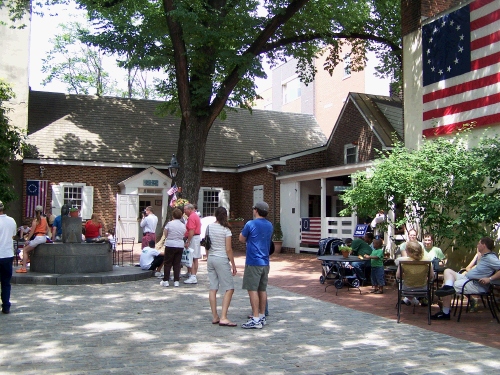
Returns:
(174,167)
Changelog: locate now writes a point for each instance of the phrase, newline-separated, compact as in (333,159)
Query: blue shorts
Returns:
(378,276)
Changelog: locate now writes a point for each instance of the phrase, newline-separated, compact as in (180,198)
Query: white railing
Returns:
(340,227)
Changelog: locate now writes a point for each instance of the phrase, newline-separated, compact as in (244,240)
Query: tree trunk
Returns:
(191,155)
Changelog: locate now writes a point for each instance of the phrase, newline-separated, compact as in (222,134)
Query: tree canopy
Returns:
(446,187)
(213,50)
(75,63)
(11,145)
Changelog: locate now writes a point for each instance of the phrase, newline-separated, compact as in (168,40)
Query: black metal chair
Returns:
(415,280)
(124,242)
(490,300)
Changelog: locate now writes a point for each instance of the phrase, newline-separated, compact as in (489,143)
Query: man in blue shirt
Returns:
(257,234)
(57,229)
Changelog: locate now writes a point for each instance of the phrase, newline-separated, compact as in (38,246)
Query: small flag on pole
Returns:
(174,189)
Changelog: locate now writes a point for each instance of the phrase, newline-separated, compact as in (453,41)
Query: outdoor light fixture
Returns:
(174,166)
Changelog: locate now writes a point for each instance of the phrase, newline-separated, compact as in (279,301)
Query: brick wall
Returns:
(412,12)
(254,178)
(305,163)
(104,180)
(227,181)
(353,129)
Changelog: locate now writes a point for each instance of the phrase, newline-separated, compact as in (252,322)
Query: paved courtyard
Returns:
(140,327)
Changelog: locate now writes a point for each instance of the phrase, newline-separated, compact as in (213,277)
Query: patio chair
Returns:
(415,281)
(124,242)
(490,300)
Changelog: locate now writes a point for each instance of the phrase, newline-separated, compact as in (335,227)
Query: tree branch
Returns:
(309,37)
(254,49)
(180,59)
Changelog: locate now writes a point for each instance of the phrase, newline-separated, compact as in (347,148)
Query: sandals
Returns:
(22,270)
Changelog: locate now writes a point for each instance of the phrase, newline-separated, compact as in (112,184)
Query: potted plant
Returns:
(345,250)
(73,212)
(277,237)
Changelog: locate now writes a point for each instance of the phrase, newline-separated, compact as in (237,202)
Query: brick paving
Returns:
(299,273)
(140,327)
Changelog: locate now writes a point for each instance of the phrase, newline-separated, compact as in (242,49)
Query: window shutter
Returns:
(87,202)
(258,194)
(57,199)
(224,200)
(200,202)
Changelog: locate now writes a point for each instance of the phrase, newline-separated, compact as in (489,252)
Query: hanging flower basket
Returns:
(180,203)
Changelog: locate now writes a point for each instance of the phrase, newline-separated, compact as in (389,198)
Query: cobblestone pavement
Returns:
(140,327)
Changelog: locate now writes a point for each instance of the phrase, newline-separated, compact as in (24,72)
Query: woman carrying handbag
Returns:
(221,267)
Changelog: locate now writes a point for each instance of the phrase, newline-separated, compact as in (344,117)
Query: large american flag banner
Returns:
(461,68)
(36,194)
(310,230)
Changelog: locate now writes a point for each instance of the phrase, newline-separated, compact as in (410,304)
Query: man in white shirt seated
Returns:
(151,259)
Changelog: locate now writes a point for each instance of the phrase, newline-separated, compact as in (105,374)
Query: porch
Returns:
(312,229)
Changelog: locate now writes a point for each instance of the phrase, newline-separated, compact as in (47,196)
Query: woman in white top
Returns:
(221,267)
(174,246)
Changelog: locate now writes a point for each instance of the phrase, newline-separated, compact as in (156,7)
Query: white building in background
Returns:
(325,96)
(14,44)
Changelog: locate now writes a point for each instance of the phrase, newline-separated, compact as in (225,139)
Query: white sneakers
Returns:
(192,280)
(165,283)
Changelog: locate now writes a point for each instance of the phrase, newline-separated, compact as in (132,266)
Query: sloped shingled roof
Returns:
(106,129)
(384,113)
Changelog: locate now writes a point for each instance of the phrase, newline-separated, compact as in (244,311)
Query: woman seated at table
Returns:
(414,252)
(93,229)
(412,236)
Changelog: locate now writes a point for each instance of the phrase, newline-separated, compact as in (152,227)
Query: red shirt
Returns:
(193,222)
(91,229)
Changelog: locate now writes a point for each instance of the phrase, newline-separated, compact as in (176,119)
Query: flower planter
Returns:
(277,246)
(73,214)
(236,223)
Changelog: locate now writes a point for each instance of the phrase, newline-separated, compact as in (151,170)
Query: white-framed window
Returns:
(258,194)
(76,194)
(347,65)
(291,90)
(209,198)
(350,154)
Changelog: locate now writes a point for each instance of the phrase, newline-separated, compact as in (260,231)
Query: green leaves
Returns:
(446,186)
(12,144)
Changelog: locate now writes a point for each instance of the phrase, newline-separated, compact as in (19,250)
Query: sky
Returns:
(46,27)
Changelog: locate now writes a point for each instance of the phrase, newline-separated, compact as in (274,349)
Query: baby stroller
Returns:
(340,272)
(328,246)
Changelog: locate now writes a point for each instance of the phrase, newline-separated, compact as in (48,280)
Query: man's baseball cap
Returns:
(263,206)
(38,209)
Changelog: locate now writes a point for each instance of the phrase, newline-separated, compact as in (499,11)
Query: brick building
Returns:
(110,156)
